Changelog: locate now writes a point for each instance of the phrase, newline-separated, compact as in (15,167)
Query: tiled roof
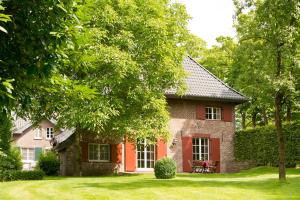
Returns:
(201,84)
(64,135)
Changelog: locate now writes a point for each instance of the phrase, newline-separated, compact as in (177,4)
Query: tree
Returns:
(130,52)
(274,25)
(219,58)
(101,66)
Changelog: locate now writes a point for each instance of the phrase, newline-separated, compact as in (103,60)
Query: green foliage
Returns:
(260,145)
(5,132)
(10,160)
(13,175)
(49,163)
(165,168)
(102,66)
(219,58)
(130,52)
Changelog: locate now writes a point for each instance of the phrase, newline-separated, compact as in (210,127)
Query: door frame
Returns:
(145,158)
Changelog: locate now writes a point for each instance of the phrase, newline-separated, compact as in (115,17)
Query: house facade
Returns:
(31,140)
(202,127)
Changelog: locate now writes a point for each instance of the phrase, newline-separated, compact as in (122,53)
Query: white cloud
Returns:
(210,18)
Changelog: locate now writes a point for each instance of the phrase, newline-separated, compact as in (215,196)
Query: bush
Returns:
(49,163)
(165,168)
(13,175)
(260,145)
(10,160)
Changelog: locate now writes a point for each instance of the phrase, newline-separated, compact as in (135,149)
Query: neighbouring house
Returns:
(202,126)
(32,140)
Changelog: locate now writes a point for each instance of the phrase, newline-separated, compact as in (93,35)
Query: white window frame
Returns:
(213,113)
(99,152)
(199,154)
(37,134)
(49,135)
(145,160)
(27,154)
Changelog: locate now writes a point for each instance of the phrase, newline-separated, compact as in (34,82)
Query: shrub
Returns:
(165,168)
(10,160)
(260,145)
(49,163)
(13,175)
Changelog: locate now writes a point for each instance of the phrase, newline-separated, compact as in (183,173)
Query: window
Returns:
(145,154)
(99,152)
(27,154)
(37,134)
(50,133)
(213,113)
(200,149)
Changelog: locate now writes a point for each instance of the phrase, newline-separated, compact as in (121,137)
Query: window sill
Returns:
(99,161)
(38,138)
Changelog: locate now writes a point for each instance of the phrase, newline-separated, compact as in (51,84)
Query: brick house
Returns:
(202,126)
(31,140)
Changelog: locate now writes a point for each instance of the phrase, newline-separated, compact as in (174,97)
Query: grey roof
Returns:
(65,134)
(20,125)
(202,84)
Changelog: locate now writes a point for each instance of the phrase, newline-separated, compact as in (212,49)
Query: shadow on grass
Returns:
(87,177)
(267,185)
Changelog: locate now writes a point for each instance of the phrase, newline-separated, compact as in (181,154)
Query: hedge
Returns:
(13,175)
(260,145)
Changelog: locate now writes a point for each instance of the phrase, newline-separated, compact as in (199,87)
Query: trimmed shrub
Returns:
(260,145)
(165,168)
(13,175)
(49,163)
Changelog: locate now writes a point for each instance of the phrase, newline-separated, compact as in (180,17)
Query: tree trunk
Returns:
(278,123)
(288,112)
(280,136)
(243,114)
(265,117)
(254,114)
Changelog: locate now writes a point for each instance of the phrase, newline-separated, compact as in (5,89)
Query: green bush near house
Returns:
(49,163)
(165,168)
(10,160)
(260,145)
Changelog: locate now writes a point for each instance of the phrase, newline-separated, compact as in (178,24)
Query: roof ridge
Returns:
(214,76)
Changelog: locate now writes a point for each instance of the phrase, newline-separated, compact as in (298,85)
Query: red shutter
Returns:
(187,153)
(161,149)
(130,157)
(227,113)
(215,151)
(200,112)
(116,153)
(84,151)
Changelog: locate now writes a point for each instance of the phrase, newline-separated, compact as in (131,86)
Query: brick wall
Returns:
(184,123)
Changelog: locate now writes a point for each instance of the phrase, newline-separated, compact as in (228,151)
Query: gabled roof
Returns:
(21,125)
(202,84)
(64,135)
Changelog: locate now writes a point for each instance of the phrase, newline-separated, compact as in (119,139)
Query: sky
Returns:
(210,18)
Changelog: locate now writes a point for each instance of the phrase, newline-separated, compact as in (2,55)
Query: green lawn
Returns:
(258,183)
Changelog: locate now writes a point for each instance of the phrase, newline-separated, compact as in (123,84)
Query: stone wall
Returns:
(184,123)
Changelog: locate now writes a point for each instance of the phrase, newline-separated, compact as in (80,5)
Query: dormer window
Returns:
(50,133)
(213,113)
(37,134)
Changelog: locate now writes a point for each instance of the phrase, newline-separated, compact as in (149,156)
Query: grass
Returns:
(258,183)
